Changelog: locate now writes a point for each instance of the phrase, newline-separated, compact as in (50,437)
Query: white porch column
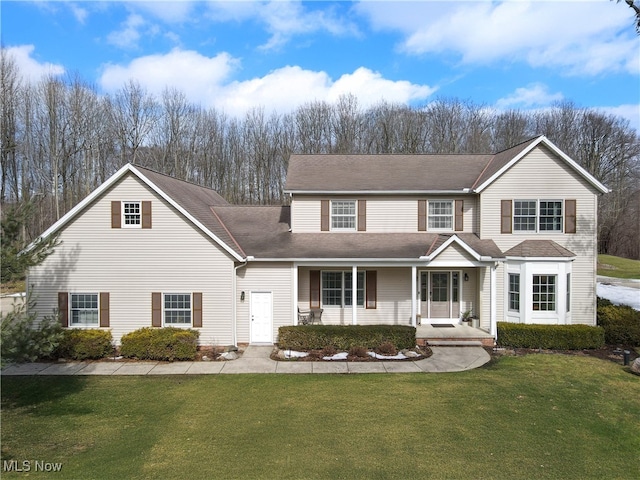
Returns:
(354,295)
(294,300)
(493,328)
(414,288)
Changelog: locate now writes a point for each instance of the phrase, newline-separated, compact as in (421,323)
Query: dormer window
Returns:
(343,215)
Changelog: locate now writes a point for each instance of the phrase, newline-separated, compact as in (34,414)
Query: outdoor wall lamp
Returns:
(466,277)
(242,296)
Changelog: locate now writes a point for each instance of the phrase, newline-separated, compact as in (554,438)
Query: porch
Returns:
(452,334)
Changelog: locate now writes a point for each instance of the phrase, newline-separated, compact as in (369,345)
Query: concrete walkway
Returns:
(255,359)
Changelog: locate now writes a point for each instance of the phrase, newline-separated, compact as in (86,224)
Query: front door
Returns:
(261,313)
(439,295)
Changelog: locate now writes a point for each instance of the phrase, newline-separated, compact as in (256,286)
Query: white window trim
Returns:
(123,222)
(537,216)
(519,292)
(342,295)
(70,311)
(355,216)
(527,269)
(177,325)
(452,215)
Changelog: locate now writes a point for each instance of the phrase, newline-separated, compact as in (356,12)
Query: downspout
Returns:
(234,306)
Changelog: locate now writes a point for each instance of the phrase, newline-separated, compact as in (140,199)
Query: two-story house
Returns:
(420,239)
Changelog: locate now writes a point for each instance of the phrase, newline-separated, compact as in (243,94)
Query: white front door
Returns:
(261,313)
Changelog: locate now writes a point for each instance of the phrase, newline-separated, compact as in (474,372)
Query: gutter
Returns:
(234,306)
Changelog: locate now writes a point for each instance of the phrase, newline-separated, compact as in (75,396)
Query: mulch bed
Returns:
(608,352)
(316,356)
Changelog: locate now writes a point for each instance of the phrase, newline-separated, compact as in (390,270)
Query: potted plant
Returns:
(466,318)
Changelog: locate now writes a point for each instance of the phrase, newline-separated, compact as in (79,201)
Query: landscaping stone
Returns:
(229,356)
(635,366)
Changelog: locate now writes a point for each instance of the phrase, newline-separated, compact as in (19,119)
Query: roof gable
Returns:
(503,161)
(189,199)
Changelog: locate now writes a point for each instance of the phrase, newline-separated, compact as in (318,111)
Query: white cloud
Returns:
(80,13)
(30,69)
(533,95)
(197,76)
(629,112)
(169,11)
(206,81)
(129,35)
(579,37)
(284,19)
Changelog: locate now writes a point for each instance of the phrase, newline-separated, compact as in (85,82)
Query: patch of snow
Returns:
(294,354)
(620,295)
(337,356)
(399,356)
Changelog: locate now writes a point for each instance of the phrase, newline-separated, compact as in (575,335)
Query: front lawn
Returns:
(536,416)
(618,267)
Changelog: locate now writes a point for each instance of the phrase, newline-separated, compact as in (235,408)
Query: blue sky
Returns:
(277,55)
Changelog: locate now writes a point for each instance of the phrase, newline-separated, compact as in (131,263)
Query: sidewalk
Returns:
(255,359)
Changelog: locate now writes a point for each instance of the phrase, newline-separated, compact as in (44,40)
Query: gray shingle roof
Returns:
(263,232)
(539,248)
(383,173)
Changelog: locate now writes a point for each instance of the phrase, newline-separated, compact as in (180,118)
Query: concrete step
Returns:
(454,343)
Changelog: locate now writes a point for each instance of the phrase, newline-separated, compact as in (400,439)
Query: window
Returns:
(537,216)
(544,293)
(440,287)
(84,309)
(524,215)
(514,292)
(440,215)
(343,215)
(177,309)
(337,289)
(550,216)
(131,214)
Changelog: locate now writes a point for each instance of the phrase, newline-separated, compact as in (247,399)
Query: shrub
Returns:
(343,337)
(24,340)
(168,343)
(387,348)
(556,337)
(329,351)
(359,352)
(621,324)
(80,344)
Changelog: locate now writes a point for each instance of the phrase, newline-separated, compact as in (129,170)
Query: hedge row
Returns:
(344,337)
(621,323)
(88,344)
(168,343)
(554,337)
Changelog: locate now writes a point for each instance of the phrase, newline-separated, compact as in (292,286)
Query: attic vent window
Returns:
(131,214)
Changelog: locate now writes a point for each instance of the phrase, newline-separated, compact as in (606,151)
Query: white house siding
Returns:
(171,257)
(276,278)
(396,214)
(540,175)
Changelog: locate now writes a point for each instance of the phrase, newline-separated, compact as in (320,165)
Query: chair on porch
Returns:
(309,317)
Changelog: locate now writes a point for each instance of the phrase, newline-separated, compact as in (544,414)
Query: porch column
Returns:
(354,295)
(414,288)
(493,328)
(294,300)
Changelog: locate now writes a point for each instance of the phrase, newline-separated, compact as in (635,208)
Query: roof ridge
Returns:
(535,137)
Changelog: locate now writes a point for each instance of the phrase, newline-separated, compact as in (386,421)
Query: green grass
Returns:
(538,416)
(618,267)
